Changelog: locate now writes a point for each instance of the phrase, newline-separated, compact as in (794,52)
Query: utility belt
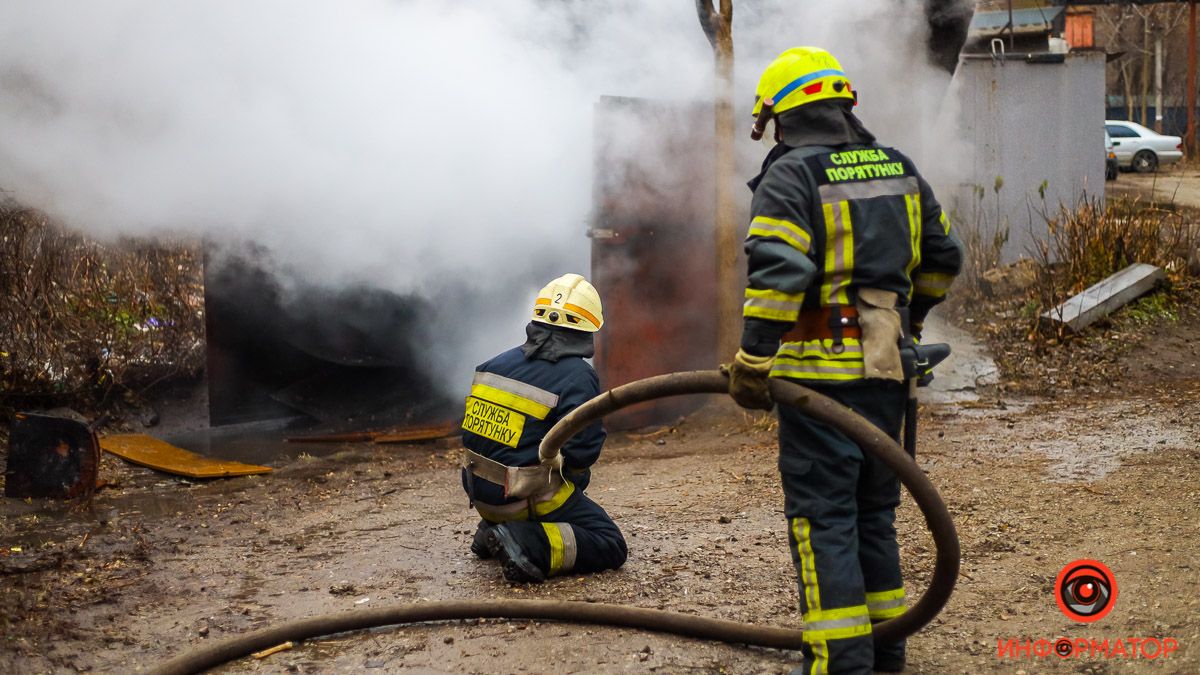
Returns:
(541,488)
(835,322)
(873,320)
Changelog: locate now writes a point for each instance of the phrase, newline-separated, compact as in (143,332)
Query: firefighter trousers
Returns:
(568,533)
(840,503)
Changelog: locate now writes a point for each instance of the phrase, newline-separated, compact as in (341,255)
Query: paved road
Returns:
(1179,185)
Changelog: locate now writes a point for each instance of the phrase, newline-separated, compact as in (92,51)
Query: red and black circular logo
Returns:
(1086,590)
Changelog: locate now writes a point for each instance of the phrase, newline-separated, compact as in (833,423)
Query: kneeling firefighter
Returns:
(537,521)
(845,238)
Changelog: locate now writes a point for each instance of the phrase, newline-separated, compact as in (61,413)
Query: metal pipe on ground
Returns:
(937,517)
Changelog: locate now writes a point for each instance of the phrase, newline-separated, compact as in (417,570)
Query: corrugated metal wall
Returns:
(1030,123)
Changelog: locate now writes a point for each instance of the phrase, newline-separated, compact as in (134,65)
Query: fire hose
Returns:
(815,405)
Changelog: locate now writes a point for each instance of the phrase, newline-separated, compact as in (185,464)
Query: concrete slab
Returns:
(1107,296)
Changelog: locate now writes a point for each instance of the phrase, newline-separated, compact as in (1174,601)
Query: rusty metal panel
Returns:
(1079,29)
(427,432)
(345,357)
(653,257)
(51,456)
(156,454)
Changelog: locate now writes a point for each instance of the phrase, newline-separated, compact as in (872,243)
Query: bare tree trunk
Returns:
(1127,87)
(1191,82)
(1158,82)
(1145,83)
(718,26)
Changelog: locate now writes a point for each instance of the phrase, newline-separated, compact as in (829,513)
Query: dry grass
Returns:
(82,323)
(1085,245)
(983,240)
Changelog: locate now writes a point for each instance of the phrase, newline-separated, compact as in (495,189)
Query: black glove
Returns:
(916,328)
(748,380)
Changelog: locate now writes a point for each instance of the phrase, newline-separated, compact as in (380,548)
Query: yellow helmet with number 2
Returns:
(802,75)
(570,302)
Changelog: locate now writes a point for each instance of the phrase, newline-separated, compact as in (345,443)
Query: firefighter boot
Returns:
(479,543)
(518,567)
(889,658)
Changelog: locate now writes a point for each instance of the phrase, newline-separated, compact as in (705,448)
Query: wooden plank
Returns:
(153,453)
(426,432)
(1107,296)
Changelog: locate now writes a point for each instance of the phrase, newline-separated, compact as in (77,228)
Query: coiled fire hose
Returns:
(867,435)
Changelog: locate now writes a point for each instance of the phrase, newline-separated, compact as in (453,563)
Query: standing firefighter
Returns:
(536,519)
(843,233)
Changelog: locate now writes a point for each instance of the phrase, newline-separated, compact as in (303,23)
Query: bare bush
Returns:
(1089,243)
(983,241)
(80,321)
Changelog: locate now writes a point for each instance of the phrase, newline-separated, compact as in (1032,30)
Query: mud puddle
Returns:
(1088,442)
(968,369)
(1069,441)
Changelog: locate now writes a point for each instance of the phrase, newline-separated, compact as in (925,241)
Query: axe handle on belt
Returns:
(910,405)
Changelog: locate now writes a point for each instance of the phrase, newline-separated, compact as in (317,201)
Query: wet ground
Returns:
(1179,185)
(157,565)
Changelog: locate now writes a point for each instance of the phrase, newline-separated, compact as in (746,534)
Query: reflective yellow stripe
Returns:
(556,547)
(945,221)
(523,389)
(820,651)
(582,312)
(770,294)
(822,349)
(839,254)
(555,502)
(837,624)
(520,510)
(794,235)
(814,616)
(935,284)
(514,394)
(808,563)
(503,513)
(833,372)
(887,187)
(816,360)
(886,604)
(880,596)
(764,303)
(889,613)
(510,400)
(912,204)
(858,630)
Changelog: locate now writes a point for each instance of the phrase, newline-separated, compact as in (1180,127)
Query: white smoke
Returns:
(416,145)
(881,44)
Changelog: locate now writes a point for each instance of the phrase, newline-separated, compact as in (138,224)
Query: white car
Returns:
(1140,148)
(1110,158)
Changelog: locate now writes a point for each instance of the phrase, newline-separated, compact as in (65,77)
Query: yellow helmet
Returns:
(570,302)
(801,75)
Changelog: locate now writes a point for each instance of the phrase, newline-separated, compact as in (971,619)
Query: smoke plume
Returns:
(434,147)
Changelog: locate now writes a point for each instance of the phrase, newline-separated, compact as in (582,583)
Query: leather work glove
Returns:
(748,380)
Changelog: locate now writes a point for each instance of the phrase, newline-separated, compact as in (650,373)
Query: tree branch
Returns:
(706,14)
